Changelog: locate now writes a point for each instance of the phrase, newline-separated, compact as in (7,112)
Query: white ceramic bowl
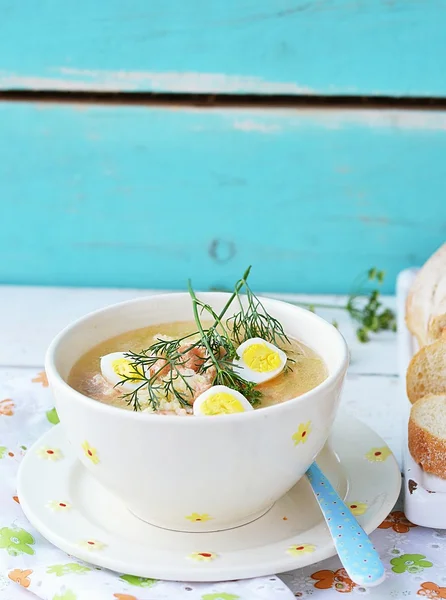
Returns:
(188,473)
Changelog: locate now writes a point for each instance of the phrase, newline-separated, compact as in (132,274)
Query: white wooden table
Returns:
(31,316)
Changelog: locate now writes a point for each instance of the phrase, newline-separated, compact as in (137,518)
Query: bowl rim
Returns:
(103,407)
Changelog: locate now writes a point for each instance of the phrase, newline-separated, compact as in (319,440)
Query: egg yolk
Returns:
(221,403)
(123,368)
(260,358)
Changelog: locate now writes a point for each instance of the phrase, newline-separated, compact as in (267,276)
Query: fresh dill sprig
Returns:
(253,320)
(150,365)
(220,351)
(369,314)
(161,366)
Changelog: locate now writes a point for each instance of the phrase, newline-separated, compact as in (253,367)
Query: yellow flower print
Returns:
(90,453)
(196,518)
(357,508)
(378,454)
(203,556)
(58,506)
(299,549)
(92,545)
(302,433)
(49,453)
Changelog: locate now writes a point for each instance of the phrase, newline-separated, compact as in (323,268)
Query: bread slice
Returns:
(427,434)
(426,301)
(426,373)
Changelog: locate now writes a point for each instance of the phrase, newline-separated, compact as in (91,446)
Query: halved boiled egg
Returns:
(259,361)
(220,400)
(116,366)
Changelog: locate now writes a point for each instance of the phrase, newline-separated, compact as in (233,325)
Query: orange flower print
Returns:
(397,521)
(41,378)
(16,499)
(431,590)
(336,580)
(7,407)
(21,577)
(124,597)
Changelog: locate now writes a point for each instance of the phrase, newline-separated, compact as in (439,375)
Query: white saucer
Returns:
(291,535)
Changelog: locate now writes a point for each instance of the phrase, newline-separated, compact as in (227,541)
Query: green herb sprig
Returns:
(253,321)
(165,359)
(369,312)
(220,352)
(166,354)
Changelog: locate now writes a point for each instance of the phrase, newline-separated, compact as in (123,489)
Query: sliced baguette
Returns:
(427,434)
(426,373)
(426,301)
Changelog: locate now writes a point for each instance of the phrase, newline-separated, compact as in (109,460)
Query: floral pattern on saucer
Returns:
(92,545)
(378,454)
(357,508)
(87,536)
(58,506)
(203,556)
(90,452)
(197,518)
(49,453)
(298,549)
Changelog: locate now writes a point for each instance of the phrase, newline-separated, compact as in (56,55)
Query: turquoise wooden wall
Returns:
(146,195)
(359,47)
(140,196)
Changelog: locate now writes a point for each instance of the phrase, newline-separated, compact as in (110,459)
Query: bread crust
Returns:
(426,301)
(426,373)
(428,450)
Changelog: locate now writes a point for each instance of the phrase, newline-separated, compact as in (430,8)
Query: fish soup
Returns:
(305,371)
(235,361)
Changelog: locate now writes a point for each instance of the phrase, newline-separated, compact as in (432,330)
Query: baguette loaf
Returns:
(426,302)
(427,434)
(426,373)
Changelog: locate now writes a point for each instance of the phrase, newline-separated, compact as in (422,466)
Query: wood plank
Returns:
(31,316)
(146,197)
(292,47)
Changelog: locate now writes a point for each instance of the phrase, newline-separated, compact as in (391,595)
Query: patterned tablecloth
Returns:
(415,557)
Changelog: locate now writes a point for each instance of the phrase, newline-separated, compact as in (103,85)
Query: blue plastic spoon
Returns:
(353,545)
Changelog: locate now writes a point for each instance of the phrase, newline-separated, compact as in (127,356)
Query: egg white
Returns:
(113,377)
(249,374)
(199,409)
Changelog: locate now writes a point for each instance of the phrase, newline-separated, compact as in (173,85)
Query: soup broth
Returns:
(306,372)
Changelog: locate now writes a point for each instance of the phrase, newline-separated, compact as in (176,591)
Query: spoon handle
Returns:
(355,550)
